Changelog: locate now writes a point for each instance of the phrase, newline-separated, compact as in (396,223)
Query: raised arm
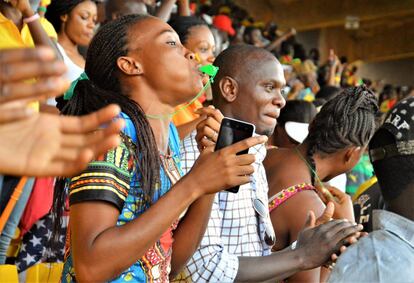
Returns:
(164,11)
(184,8)
(39,35)
(277,42)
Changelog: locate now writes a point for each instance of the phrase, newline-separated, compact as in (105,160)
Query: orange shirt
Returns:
(186,115)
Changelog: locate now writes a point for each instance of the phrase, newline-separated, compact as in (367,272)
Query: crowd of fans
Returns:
(109,116)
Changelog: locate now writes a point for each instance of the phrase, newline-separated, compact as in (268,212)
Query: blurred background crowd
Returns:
(323,46)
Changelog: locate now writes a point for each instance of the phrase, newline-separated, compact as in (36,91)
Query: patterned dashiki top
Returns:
(111,178)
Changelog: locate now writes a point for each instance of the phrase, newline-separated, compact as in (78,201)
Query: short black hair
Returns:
(297,111)
(183,24)
(395,174)
(238,60)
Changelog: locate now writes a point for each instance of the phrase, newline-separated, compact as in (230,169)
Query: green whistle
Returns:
(209,70)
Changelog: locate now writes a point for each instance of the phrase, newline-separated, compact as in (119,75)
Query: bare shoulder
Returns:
(284,170)
(296,209)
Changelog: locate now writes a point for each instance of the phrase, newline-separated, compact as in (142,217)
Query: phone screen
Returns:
(233,131)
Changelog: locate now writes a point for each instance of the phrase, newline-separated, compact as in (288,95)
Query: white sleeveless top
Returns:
(73,72)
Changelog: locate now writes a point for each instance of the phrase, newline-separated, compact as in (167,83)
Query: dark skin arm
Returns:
(188,235)
(164,11)
(257,269)
(294,211)
(276,43)
(184,8)
(335,67)
(314,248)
(95,255)
(40,37)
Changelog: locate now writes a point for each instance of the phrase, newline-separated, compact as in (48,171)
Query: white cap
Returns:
(297,131)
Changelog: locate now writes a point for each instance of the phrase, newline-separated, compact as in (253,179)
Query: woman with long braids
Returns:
(337,138)
(125,207)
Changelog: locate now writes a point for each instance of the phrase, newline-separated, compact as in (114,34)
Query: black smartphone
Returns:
(233,131)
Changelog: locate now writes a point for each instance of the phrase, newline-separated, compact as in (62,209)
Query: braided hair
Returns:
(183,24)
(102,89)
(58,8)
(346,120)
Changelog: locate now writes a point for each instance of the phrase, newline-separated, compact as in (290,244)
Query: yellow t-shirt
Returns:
(11,37)
(45,3)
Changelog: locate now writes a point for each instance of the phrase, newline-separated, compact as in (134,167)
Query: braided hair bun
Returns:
(346,120)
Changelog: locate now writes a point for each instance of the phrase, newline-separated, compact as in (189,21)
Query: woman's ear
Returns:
(64,18)
(353,154)
(229,88)
(129,66)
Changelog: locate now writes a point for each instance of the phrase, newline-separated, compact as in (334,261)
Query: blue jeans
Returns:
(14,219)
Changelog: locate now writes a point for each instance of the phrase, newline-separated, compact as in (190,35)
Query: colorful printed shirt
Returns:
(113,179)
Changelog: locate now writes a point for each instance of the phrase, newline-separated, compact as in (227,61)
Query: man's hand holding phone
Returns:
(236,145)
(207,129)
